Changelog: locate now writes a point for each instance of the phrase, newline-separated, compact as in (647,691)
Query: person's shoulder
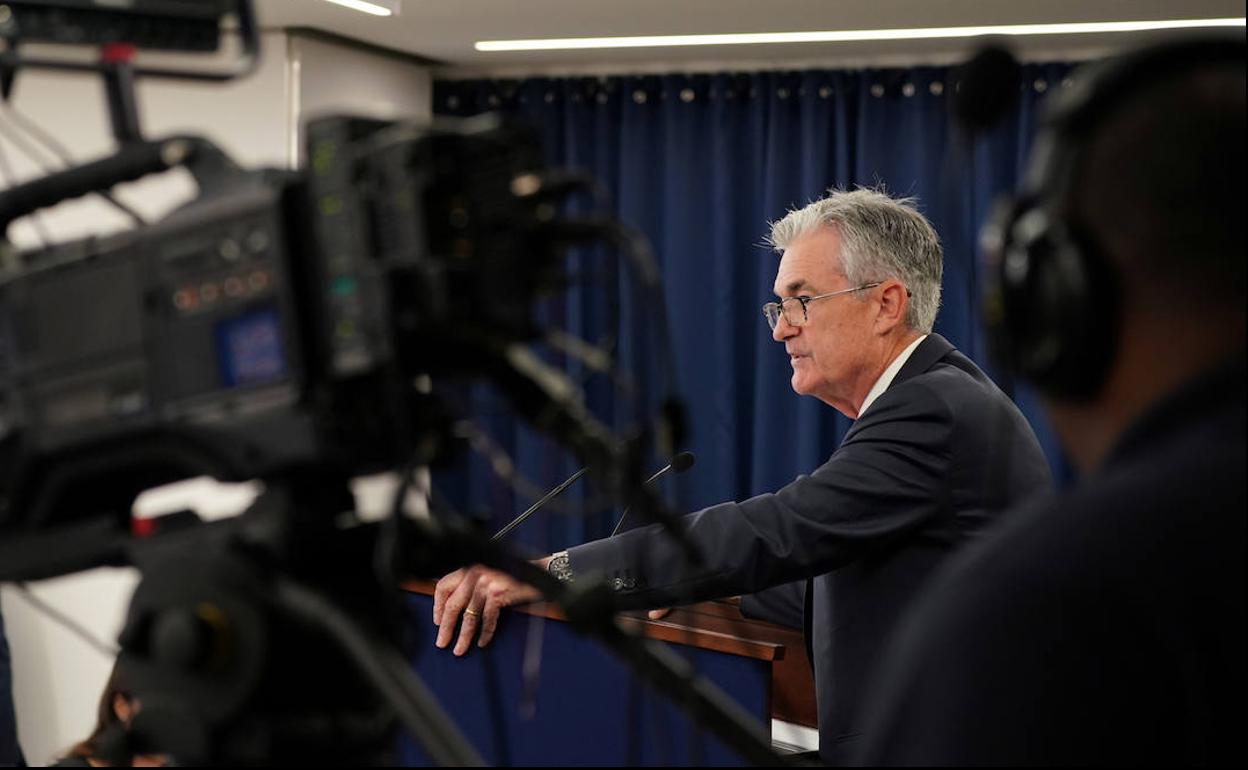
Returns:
(943,393)
(904,406)
(945,374)
(1109,531)
(961,383)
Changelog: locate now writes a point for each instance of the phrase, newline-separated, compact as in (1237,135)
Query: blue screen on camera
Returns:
(249,348)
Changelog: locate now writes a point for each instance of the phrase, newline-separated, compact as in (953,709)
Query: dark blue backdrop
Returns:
(701,164)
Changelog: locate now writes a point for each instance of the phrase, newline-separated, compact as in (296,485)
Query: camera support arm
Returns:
(134,160)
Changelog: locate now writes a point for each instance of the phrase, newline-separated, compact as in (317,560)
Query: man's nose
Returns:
(783,329)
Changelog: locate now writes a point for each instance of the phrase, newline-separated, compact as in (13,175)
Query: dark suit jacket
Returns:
(922,470)
(1104,627)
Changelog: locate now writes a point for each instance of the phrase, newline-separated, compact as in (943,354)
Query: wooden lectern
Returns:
(541,694)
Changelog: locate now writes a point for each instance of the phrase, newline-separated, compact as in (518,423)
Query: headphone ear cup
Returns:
(1051,310)
(1052,300)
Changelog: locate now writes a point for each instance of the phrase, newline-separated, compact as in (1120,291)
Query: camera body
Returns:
(280,320)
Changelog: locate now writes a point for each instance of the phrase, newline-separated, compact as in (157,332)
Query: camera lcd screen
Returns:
(249,348)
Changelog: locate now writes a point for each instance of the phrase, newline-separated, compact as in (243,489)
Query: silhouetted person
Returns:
(1107,626)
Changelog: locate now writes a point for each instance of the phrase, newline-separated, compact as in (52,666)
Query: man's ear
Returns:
(894,299)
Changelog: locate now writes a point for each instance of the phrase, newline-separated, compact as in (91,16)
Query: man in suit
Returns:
(1106,626)
(935,452)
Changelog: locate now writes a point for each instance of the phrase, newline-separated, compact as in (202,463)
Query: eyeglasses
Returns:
(787,307)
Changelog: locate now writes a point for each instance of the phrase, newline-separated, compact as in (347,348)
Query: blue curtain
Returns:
(701,164)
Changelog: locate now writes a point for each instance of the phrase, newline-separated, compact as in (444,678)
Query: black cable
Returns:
(662,733)
(548,400)
(541,395)
(494,697)
(609,340)
(559,183)
(588,607)
(594,357)
(387,556)
(57,149)
(633,245)
(9,178)
(504,466)
(390,675)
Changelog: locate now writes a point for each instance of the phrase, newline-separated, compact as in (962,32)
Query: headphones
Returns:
(1052,299)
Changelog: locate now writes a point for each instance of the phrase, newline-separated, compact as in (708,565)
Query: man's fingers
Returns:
(455,604)
(467,630)
(489,622)
(495,600)
(445,587)
(502,591)
(486,592)
(658,614)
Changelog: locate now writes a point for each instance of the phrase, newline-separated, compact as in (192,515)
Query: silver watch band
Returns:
(560,567)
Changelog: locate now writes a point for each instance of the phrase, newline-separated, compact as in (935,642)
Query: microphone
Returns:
(551,495)
(679,464)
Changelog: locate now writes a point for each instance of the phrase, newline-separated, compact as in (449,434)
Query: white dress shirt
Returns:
(890,372)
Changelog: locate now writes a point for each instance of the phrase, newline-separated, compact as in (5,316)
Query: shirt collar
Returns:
(890,372)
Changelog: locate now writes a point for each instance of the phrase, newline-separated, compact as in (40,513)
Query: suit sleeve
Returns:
(884,482)
(783,605)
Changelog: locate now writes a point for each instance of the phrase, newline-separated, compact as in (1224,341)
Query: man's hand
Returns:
(662,612)
(478,593)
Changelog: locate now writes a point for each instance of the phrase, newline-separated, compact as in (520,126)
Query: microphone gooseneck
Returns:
(551,495)
(682,462)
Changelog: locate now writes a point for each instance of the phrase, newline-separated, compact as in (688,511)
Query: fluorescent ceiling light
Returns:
(843,36)
(375,7)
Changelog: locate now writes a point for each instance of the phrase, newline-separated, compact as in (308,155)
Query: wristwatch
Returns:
(560,567)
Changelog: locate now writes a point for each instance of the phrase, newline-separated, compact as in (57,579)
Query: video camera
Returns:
(279,320)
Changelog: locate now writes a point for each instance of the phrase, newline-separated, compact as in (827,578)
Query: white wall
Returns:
(248,118)
(333,79)
(57,677)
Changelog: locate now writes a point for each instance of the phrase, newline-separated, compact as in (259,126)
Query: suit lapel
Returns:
(929,351)
(932,349)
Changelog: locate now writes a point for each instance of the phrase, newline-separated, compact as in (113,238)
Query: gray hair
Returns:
(881,238)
